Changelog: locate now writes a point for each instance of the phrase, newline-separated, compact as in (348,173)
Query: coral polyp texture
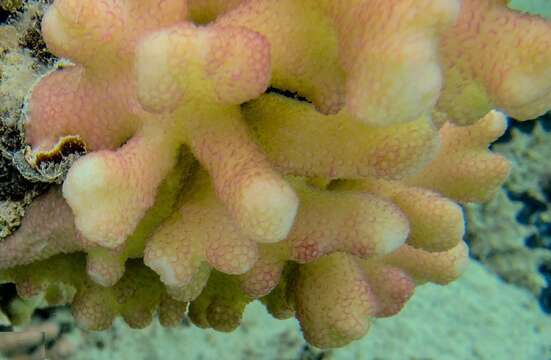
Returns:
(310,154)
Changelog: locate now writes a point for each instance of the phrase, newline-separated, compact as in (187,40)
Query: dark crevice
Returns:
(307,352)
(531,207)
(545,183)
(526,127)
(8,293)
(8,9)
(4,15)
(545,295)
(287,93)
(4,328)
(545,121)
(507,135)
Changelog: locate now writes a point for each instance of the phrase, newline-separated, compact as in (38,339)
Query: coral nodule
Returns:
(205,187)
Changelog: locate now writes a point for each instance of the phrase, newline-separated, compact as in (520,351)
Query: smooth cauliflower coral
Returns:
(310,154)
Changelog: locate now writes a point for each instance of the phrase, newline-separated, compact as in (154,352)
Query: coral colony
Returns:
(308,153)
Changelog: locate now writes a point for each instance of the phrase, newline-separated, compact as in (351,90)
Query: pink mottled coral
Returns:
(494,57)
(57,232)
(476,171)
(208,182)
(200,232)
(392,74)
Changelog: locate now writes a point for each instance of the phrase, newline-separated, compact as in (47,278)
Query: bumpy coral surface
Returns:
(204,187)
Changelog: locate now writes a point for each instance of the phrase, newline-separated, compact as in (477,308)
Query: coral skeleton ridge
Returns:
(204,188)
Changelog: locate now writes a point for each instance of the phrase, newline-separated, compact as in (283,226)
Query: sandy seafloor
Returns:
(476,317)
